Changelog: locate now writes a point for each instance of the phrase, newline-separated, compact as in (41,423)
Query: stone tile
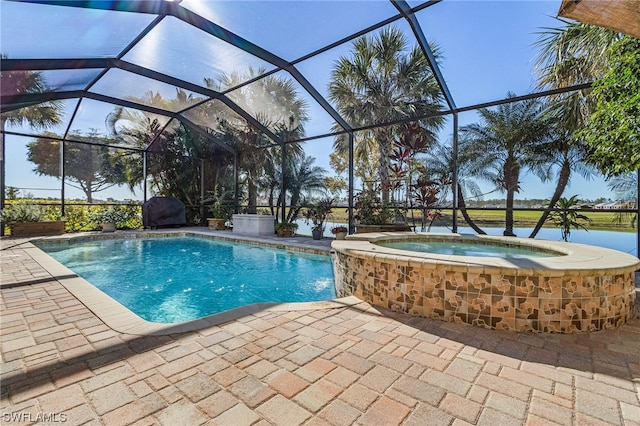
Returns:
(238,415)
(420,390)
(597,406)
(62,400)
(145,361)
(260,369)
(251,391)
(318,395)
(446,382)
(343,377)
(340,414)
(315,369)
(304,354)
(134,411)
(111,397)
(281,411)
(508,405)
(217,403)
(385,412)
(379,378)
(181,412)
(461,407)
(229,375)
(359,397)
(197,387)
(464,369)
(425,414)
(102,380)
(286,383)
(354,363)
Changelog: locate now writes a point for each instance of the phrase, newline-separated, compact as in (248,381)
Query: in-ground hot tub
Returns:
(545,286)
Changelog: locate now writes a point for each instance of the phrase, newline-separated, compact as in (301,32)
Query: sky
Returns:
(487,51)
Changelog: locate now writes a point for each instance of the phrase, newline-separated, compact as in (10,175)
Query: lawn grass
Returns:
(606,221)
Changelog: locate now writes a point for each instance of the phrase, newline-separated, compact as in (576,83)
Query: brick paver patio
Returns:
(340,366)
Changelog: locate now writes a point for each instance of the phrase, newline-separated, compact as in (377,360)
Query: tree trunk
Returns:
(252,195)
(563,180)
(383,140)
(511,173)
(463,209)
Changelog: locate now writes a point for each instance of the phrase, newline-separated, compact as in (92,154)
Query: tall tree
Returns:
(384,80)
(175,154)
(40,116)
(87,165)
(569,55)
(274,103)
(612,131)
(507,138)
(438,165)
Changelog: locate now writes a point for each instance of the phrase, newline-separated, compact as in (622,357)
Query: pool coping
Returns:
(121,319)
(573,260)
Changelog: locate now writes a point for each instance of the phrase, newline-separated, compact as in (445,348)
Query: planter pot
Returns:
(254,224)
(32,229)
(316,233)
(216,224)
(393,227)
(285,233)
(108,227)
(341,235)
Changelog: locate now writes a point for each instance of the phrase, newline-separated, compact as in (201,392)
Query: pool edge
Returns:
(119,318)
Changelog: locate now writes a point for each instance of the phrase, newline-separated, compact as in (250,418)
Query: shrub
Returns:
(22,212)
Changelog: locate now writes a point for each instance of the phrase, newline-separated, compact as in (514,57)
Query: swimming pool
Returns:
(468,249)
(177,279)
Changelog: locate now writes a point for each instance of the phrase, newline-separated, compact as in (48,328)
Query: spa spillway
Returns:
(538,285)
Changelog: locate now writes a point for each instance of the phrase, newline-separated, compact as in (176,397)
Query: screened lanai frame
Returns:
(156,13)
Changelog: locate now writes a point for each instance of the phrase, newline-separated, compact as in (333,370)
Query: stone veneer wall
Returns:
(566,304)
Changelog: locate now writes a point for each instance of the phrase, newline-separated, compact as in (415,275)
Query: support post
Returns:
(454,171)
(62,177)
(203,212)
(351,225)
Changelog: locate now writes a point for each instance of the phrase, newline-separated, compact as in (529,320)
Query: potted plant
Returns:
(221,208)
(339,231)
(108,219)
(317,214)
(375,215)
(286,229)
(25,220)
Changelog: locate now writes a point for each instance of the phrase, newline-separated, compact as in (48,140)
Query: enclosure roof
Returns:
(618,15)
(199,64)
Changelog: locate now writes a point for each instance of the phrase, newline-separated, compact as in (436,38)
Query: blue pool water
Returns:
(466,249)
(180,279)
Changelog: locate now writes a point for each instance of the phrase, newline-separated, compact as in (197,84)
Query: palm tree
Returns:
(275,103)
(439,166)
(507,138)
(567,217)
(564,154)
(384,81)
(626,188)
(305,179)
(40,116)
(570,55)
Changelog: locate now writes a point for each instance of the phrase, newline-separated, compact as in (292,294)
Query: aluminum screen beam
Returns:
(406,11)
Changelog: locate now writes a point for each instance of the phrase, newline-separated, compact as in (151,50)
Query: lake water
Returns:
(622,241)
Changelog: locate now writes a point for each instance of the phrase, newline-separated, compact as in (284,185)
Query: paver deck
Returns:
(353,364)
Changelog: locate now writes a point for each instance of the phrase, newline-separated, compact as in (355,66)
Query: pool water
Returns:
(467,249)
(180,278)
